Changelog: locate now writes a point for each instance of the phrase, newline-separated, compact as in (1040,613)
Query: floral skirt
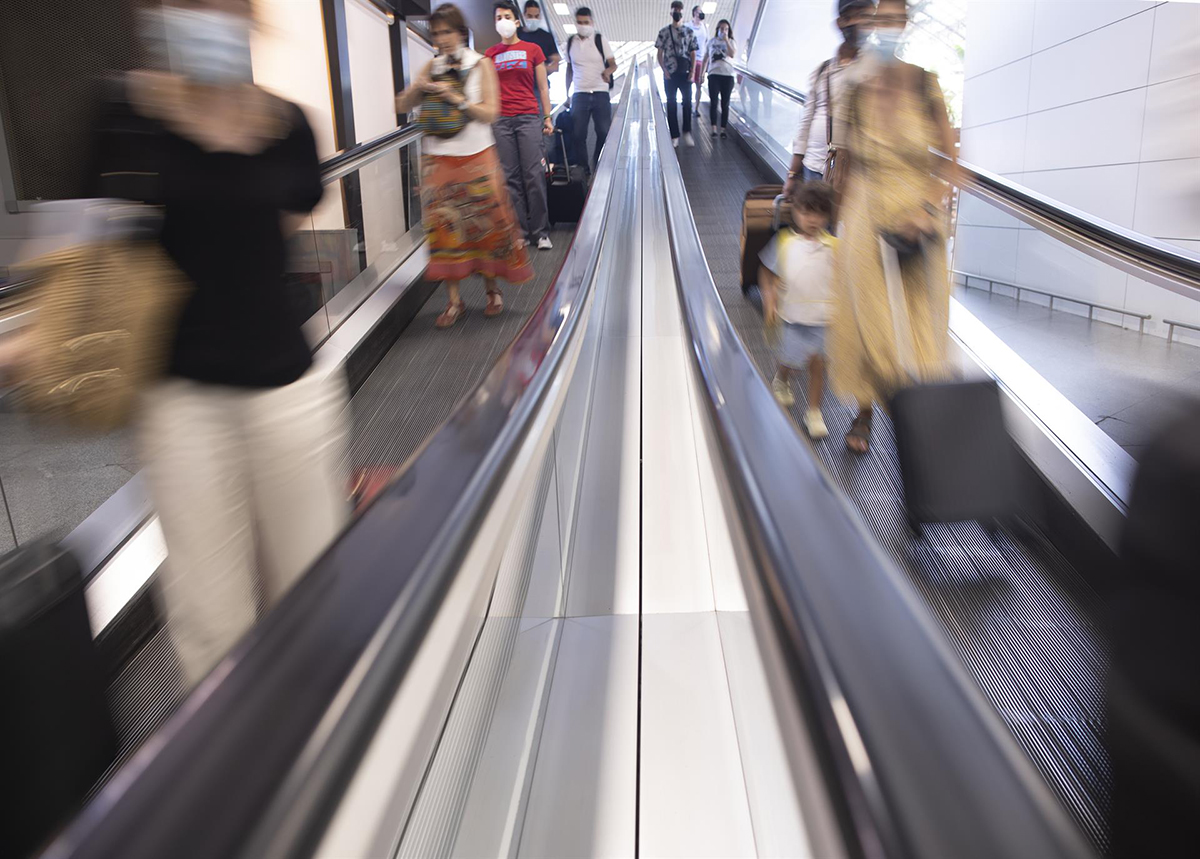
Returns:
(469,221)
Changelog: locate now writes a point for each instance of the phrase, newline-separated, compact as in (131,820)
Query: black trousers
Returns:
(719,86)
(679,85)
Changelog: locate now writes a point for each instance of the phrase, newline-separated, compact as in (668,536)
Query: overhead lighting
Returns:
(570,29)
(708,8)
(561,8)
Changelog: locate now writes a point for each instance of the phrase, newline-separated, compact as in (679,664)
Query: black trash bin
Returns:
(54,718)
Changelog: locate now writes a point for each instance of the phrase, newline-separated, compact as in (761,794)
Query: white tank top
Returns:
(476,136)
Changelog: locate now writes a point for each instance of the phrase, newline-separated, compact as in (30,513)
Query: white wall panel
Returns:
(1168,203)
(1057,21)
(1176,41)
(973,211)
(794,37)
(999,94)
(1163,304)
(1048,264)
(987,251)
(999,146)
(1106,192)
(1102,62)
(1172,126)
(1090,133)
(998,32)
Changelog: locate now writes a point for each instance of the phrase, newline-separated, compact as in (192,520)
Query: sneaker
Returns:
(544,243)
(724,134)
(688,140)
(714,132)
(783,392)
(814,422)
(675,142)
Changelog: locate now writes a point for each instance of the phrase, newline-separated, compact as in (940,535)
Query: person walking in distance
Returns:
(469,223)
(676,46)
(520,127)
(590,69)
(820,142)
(700,31)
(535,30)
(720,50)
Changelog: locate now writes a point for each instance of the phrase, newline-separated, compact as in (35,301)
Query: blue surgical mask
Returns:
(532,24)
(203,45)
(885,42)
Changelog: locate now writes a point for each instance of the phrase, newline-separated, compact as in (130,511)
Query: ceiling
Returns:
(629,20)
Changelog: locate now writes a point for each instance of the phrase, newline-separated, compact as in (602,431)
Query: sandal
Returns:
(451,314)
(858,439)
(495,303)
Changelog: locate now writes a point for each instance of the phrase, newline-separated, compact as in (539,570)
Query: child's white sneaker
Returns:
(814,422)
(783,392)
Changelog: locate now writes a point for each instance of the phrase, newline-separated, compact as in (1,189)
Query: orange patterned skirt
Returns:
(469,221)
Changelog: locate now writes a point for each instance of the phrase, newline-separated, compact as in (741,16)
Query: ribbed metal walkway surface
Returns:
(1018,615)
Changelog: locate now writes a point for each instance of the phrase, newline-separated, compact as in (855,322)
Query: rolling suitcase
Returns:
(55,715)
(566,186)
(762,216)
(957,462)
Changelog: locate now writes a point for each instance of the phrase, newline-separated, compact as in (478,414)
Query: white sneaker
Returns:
(688,140)
(675,142)
(783,392)
(544,243)
(814,422)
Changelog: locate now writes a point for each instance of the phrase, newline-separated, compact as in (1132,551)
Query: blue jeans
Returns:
(679,88)
(597,107)
(811,175)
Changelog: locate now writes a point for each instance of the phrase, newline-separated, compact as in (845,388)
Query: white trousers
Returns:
(249,490)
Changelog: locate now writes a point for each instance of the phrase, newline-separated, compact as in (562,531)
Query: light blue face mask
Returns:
(205,46)
(885,42)
(532,24)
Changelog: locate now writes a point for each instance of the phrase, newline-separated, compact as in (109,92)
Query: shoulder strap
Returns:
(600,46)
(825,70)
(570,40)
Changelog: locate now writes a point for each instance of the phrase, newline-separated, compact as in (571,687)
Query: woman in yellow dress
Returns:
(896,113)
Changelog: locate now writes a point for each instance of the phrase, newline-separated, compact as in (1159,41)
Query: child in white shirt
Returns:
(796,279)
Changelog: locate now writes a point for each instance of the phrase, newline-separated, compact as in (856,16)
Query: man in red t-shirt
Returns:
(521,66)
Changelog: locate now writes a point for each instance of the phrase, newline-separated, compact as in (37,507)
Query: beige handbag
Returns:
(106,312)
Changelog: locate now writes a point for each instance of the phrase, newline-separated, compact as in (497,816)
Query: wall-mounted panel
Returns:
(1088,134)
(1106,61)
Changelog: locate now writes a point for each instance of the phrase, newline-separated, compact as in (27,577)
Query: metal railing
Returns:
(1092,306)
(769,83)
(1172,324)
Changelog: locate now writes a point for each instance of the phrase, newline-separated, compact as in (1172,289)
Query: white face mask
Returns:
(506,28)
(203,45)
(587,31)
(532,24)
(885,42)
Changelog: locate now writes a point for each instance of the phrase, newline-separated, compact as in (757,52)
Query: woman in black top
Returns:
(243,441)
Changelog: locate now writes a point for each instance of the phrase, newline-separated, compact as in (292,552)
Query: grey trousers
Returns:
(519,142)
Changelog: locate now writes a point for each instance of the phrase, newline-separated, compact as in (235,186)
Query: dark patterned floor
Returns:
(1017,614)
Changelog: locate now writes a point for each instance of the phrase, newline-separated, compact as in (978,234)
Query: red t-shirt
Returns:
(517,67)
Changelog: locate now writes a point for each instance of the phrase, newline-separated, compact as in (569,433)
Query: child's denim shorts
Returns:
(798,343)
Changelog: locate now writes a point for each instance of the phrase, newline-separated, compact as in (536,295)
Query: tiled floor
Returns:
(1128,383)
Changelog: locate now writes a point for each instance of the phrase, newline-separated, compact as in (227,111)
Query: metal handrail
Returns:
(1090,305)
(916,761)
(1172,324)
(770,83)
(279,727)
(1134,253)
(345,163)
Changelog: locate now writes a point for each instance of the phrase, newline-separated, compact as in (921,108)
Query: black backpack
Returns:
(599,49)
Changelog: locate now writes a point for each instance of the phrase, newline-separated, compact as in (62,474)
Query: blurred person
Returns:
(796,276)
(718,56)
(1153,683)
(822,130)
(536,30)
(590,68)
(700,31)
(520,127)
(243,439)
(893,215)
(469,223)
(676,46)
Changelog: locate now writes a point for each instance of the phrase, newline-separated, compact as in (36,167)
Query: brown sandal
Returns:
(495,303)
(860,431)
(451,314)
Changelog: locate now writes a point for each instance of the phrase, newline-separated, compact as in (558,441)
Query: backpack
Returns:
(599,49)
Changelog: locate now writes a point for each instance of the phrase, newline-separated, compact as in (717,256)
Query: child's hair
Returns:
(814,197)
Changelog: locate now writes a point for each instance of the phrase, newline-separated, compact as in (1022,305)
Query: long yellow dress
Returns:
(889,181)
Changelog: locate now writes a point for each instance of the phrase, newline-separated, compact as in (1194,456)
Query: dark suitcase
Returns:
(762,216)
(566,187)
(54,716)
(957,461)
(564,124)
